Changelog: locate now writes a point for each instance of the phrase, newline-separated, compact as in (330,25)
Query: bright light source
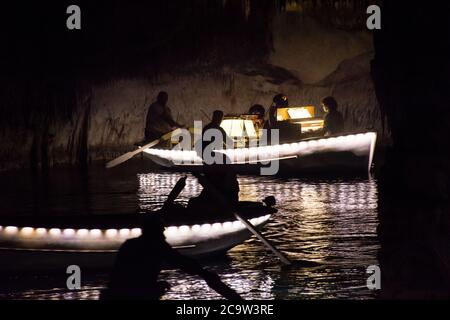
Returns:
(239,128)
(136,232)
(69,232)
(299,113)
(10,230)
(124,232)
(111,233)
(96,233)
(83,233)
(184,229)
(205,227)
(237,224)
(55,232)
(171,231)
(228,225)
(27,231)
(41,232)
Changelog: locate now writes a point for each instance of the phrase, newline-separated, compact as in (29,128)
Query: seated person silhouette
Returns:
(220,174)
(140,260)
(259,111)
(333,120)
(287,131)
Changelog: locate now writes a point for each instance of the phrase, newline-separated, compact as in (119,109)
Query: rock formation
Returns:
(92,109)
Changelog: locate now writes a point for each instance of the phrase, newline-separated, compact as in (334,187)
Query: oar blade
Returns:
(131,154)
(125,157)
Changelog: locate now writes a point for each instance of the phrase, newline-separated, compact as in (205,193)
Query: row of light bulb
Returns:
(82,233)
(267,152)
(126,233)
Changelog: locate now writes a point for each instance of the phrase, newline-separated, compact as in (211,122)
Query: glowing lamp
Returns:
(55,232)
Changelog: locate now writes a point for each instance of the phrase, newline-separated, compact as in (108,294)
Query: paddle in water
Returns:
(220,198)
(127,156)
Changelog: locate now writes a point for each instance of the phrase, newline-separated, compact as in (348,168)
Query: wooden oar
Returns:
(266,242)
(179,186)
(127,156)
(219,197)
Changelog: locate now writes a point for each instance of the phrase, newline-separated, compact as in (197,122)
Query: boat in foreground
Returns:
(42,243)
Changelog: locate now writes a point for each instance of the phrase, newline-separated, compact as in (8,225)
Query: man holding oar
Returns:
(216,165)
(159,119)
(140,261)
(159,129)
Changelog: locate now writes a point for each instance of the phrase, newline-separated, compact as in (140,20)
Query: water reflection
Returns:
(328,227)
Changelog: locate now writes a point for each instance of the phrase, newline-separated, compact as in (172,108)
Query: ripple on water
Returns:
(327,226)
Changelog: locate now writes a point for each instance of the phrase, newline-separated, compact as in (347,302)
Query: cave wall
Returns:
(119,107)
(291,51)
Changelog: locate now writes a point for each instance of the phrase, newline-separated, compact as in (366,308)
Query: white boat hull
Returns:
(346,153)
(28,248)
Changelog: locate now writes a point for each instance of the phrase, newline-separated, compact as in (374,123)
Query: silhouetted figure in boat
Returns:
(213,131)
(215,167)
(288,131)
(140,260)
(279,101)
(159,119)
(259,111)
(333,121)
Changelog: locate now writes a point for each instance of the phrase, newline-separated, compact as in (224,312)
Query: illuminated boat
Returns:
(39,243)
(306,152)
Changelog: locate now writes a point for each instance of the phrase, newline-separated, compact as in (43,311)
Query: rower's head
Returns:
(162,97)
(153,227)
(329,104)
(217,117)
(281,100)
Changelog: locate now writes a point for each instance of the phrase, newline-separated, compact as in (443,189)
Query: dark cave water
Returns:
(327,227)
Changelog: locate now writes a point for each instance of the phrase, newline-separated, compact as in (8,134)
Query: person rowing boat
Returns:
(222,177)
(159,118)
(140,261)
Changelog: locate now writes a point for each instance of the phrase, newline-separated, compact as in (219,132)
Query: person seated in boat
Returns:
(333,120)
(215,168)
(259,111)
(213,138)
(279,101)
(288,131)
(140,260)
(159,119)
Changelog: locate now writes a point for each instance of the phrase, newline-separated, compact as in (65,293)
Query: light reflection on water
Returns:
(327,227)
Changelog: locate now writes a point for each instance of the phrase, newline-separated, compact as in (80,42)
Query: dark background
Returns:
(44,67)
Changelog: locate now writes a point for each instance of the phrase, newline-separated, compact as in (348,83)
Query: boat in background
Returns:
(32,243)
(308,151)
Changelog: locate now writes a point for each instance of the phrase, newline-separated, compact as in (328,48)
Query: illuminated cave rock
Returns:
(307,58)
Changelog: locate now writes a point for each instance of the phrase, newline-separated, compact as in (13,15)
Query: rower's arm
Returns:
(184,263)
(167,115)
(191,266)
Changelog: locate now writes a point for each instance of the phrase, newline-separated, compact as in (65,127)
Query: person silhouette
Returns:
(279,101)
(140,260)
(216,166)
(333,120)
(159,120)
